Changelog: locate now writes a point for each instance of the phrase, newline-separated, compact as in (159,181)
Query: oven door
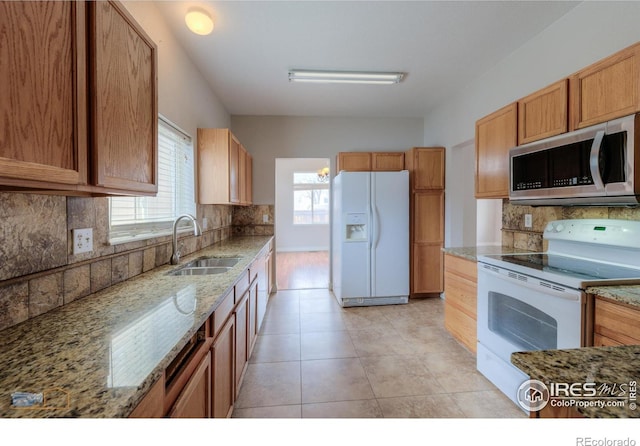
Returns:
(521,313)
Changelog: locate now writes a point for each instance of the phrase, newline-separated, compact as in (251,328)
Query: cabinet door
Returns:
(253,318)
(428,168)
(544,113)
(606,90)
(242,175)
(152,405)
(387,161)
(123,80)
(234,170)
(249,178)
(43,89)
(427,274)
(195,399)
(428,221)
(223,376)
(242,339)
(354,161)
(495,135)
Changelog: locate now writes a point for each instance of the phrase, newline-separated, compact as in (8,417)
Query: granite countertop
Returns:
(612,369)
(101,354)
(625,294)
(472,252)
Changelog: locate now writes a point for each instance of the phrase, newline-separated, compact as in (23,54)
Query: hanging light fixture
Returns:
(199,21)
(323,174)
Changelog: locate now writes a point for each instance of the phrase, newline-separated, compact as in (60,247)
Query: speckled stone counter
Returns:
(626,294)
(611,368)
(100,355)
(472,252)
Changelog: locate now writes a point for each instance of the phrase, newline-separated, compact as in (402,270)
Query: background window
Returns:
(310,199)
(146,217)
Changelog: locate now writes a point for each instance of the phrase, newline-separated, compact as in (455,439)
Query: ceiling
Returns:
(441,46)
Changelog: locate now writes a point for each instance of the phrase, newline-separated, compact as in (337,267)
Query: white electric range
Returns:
(537,301)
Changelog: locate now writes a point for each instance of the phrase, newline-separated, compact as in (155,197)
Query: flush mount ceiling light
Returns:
(345,77)
(199,21)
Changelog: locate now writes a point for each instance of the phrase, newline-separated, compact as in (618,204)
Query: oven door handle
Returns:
(539,285)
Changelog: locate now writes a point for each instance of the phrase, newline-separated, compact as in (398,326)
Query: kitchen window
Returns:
(310,199)
(135,218)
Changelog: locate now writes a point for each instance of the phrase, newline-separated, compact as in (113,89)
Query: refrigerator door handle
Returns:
(377,225)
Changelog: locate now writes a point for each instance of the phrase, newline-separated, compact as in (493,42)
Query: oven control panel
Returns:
(624,233)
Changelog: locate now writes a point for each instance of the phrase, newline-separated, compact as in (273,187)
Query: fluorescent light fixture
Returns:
(344,77)
(199,21)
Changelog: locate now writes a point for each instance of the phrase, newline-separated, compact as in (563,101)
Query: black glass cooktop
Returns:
(579,268)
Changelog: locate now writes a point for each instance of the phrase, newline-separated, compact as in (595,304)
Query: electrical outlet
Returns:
(265,218)
(528,221)
(205,223)
(82,240)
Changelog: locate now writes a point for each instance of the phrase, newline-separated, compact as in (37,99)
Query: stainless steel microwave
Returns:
(597,165)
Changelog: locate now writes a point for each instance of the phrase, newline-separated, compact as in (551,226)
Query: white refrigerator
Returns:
(370,241)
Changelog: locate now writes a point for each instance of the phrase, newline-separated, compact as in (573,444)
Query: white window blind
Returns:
(133,218)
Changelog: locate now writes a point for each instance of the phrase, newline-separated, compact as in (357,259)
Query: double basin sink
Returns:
(205,266)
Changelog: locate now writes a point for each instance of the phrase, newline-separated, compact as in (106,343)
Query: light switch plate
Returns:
(528,221)
(265,218)
(82,240)
(205,223)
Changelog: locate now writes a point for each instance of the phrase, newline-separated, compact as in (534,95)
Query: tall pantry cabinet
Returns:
(426,177)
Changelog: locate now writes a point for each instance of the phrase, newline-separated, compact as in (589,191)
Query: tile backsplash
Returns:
(39,272)
(515,235)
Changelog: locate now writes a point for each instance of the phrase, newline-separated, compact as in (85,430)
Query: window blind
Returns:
(133,218)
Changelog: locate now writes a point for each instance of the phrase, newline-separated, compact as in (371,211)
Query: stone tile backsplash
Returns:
(515,235)
(38,271)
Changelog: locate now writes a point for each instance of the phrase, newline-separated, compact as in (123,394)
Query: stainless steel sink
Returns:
(213,261)
(198,271)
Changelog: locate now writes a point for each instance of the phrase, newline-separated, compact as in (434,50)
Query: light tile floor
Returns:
(314,359)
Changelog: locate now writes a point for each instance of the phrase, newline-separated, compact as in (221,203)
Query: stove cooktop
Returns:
(565,270)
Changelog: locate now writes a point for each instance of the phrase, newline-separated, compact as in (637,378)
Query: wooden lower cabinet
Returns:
(152,405)
(223,370)
(550,411)
(242,316)
(195,399)
(615,323)
(427,268)
(460,290)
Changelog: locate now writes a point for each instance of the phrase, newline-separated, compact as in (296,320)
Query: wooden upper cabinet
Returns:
(544,113)
(354,161)
(43,109)
(606,90)
(224,168)
(79,109)
(495,135)
(370,161)
(125,101)
(426,166)
(387,161)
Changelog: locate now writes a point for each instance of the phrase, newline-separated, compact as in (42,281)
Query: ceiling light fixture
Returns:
(199,21)
(345,77)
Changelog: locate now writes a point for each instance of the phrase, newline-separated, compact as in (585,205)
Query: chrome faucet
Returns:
(175,257)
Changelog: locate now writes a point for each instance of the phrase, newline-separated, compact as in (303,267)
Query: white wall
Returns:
(271,137)
(587,33)
(184,97)
(290,237)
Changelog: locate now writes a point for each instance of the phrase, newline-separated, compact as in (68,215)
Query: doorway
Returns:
(302,233)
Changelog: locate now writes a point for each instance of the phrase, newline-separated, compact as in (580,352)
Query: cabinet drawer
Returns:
(461,293)
(617,322)
(461,326)
(242,285)
(464,268)
(223,311)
